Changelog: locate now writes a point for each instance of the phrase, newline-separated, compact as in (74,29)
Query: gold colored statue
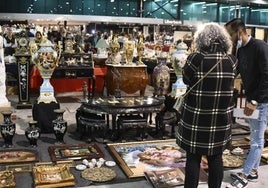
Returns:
(128,51)
(140,50)
(114,47)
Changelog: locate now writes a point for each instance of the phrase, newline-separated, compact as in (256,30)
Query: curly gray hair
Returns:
(209,34)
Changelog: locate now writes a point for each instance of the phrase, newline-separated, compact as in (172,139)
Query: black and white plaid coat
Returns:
(205,125)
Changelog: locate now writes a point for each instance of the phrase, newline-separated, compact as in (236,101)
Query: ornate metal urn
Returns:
(46,59)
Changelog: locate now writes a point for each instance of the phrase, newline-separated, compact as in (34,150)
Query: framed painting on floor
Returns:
(137,157)
(18,156)
(75,152)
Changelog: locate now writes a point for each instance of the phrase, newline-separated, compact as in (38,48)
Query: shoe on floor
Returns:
(253,176)
(239,182)
(236,184)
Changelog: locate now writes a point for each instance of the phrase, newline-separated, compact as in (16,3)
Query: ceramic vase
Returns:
(46,60)
(8,129)
(161,77)
(32,133)
(59,126)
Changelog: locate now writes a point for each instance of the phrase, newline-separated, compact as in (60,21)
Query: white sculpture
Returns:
(3,99)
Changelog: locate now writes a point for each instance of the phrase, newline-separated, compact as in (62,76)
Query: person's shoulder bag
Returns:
(180,100)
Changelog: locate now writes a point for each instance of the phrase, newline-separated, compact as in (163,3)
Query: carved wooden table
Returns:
(121,106)
(127,78)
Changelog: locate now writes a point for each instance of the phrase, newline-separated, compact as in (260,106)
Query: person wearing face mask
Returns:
(252,57)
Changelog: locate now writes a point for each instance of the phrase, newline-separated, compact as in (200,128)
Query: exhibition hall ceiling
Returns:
(260,2)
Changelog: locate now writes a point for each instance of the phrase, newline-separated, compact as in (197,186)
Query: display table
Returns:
(127,78)
(122,106)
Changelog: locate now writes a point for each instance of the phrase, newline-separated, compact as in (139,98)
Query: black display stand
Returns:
(23,63)
(44,114)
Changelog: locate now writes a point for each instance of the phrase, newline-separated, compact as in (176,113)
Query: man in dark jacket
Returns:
(252,57)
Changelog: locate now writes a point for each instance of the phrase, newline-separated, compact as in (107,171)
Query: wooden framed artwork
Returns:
(137,157)
(7,179)
(18,156)
(17,168)
(171,178)
(75,152)
(52,176)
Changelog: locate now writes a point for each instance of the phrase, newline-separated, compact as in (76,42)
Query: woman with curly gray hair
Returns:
(206,117)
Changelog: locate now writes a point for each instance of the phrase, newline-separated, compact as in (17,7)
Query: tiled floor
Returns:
(23,116)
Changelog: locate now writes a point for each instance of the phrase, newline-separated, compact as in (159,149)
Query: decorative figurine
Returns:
(114,47)
(128,49)
(140,50)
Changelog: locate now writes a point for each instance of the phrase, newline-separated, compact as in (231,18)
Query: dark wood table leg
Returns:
(115,130)
(91,87)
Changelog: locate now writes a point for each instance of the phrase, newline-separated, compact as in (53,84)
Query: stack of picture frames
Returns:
(15,161)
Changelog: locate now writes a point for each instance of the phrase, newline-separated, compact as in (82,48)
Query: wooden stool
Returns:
(168,115)
(162,119)
(91,124)
(136,121)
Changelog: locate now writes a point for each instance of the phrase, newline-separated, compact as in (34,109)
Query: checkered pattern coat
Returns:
(205,125)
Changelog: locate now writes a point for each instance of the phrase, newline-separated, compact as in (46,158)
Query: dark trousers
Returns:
(215,170)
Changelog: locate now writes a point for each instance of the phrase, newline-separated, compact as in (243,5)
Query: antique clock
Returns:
(22,46)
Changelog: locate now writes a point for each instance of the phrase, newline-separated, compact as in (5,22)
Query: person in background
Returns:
(38,37)
(28,32)
(206,119)
(252,57)
(10,42)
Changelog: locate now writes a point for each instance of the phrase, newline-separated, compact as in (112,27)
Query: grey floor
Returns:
(23,116)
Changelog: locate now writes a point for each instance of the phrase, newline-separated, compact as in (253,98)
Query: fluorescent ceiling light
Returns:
(259,1)
(200,3)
